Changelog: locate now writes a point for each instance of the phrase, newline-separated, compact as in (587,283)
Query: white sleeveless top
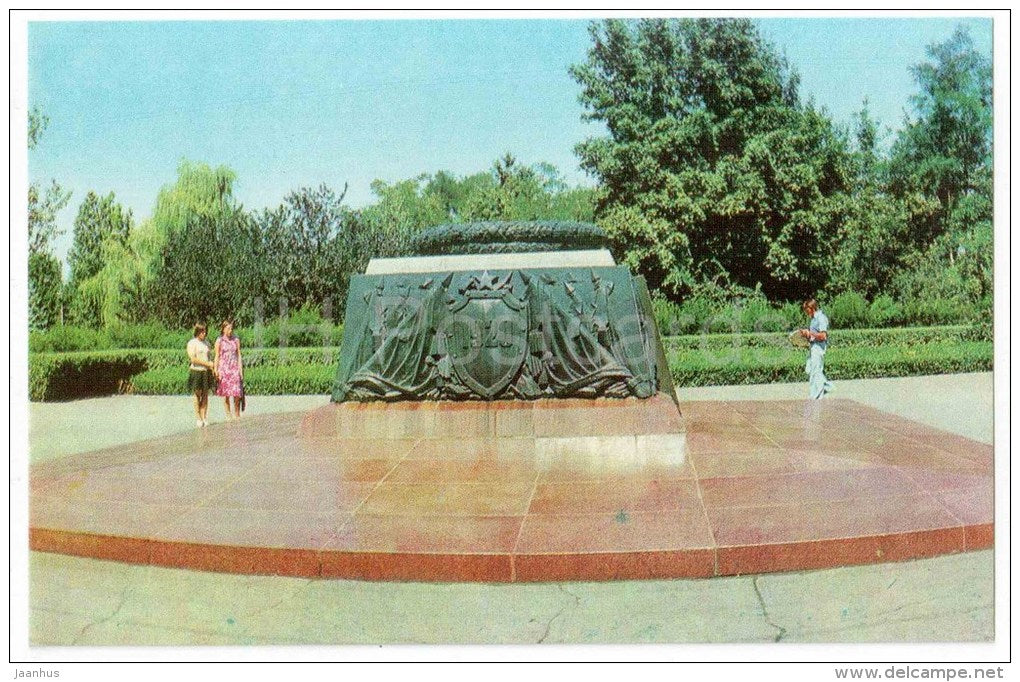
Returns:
(198,349)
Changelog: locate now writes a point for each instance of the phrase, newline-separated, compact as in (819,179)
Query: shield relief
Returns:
(489,334)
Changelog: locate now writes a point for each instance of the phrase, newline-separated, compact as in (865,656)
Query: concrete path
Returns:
(89,602)
(85,601)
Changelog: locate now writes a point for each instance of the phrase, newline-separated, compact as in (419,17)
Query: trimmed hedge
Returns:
(68,376)
(68,338)
(773,365)
(297,379)
(65,376)
(712,359)
(843,338)
(698,368)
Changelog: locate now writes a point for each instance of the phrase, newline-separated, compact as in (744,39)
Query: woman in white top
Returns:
(201,374)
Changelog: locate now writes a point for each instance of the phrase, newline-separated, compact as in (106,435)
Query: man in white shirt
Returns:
(817,334)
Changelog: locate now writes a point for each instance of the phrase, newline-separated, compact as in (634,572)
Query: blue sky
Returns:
(289,104)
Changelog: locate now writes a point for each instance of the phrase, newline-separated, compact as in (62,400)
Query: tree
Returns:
(209,270)
(44,290)
(510,190)
(406,207)
(870,240)
(941,170)
(43,205)
(712,166)
(520,192)
(199,250)
(313,244)
(135,282)
(945,150)
(99,220)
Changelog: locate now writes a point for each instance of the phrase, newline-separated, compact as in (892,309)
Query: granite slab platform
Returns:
(542,491)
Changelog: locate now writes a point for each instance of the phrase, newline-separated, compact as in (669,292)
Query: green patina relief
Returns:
(502,334)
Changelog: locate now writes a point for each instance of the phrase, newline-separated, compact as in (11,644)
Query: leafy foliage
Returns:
(99,220)
(44,290)
(701,359)
(309,248)
(43,205)
(712,166)
(759,365)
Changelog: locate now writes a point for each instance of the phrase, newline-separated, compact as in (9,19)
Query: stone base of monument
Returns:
(620,432)
(528,491)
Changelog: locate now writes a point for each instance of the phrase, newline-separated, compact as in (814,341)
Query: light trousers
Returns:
(818,385)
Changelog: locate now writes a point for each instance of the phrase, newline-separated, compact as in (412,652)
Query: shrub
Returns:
(66,376)
(298,379)
(842,338)
(695,360)
(68,338)
(758,316)
(667,317)
(884,312)
(767,365)
(938,311)
(147,336)
(793,315)
(65,338)
(848,310)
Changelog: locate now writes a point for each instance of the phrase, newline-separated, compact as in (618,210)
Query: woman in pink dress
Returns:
(229,368)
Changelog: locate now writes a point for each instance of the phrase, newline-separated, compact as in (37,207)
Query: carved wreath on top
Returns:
(509,237)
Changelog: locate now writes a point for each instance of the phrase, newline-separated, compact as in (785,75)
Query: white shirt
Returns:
(199,349)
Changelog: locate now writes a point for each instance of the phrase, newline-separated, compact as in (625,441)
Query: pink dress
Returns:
(230,367)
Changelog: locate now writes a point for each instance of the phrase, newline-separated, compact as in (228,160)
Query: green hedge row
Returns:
(843,338)
(773,365)
(65,376)
(68,376)
(746,366)
(68,338)
(265,380)
(694,361)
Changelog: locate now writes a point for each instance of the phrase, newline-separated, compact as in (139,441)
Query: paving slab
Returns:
(187,608)
(58,429)
(901,490)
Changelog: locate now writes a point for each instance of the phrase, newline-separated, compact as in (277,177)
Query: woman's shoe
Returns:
(198,423)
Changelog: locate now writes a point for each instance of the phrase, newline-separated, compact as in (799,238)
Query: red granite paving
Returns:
(502,492)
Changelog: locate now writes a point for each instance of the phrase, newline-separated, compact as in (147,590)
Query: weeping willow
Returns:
(116,291)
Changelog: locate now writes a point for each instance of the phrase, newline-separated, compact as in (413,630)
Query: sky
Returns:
(288,104)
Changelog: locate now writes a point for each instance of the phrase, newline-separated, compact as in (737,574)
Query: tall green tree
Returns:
(99,219)
(313,243)
(941,169)
(870,240)
(199,249)
(945,149)
(43,204)
(522,192)
(136,282)
(712,167)
(45,288)
(210,269)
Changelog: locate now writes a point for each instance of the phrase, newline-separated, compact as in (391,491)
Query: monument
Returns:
(495,312)
(503,412)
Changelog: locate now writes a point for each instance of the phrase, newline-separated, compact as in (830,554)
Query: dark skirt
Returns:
(200,380)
